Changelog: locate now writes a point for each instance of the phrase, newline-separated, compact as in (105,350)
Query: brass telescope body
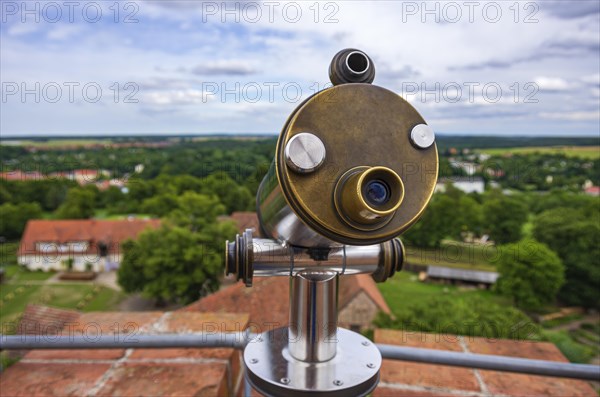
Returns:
(355,166)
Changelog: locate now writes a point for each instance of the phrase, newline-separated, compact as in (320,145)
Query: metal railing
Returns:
(238,340)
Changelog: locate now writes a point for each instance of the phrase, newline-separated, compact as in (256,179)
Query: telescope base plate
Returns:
(271,370)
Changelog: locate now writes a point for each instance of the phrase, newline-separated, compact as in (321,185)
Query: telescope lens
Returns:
(377,192)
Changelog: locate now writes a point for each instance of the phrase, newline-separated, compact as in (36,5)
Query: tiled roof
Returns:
(400,378)
(267,300)
(247,220)
(44,320)
(110,232)
(107,372)
(19,175)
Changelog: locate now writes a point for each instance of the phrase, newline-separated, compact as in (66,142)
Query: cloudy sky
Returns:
(142,67)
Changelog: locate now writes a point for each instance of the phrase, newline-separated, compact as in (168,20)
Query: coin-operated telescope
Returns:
(355,166)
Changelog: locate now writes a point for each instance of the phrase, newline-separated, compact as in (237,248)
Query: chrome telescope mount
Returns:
(311,356)
(355,166)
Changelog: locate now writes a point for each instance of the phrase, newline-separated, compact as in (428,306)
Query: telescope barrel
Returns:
(247,257)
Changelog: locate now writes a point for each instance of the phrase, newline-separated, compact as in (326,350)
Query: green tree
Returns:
(79,204)
(438,222)
(14,217)
(469,215)
(504,217)
(530,273)
(232,195)
(159,205)
(183,259)
(575,235)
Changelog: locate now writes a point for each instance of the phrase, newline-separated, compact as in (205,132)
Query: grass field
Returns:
(84,297)
(404,289)
(22,287)
(404,292)
(587,152)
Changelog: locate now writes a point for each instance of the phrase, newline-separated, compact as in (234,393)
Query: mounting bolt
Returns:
(422,136)
(304,152)
(285,381)
(365,343)
(253,360)
(371,365)
(338,382)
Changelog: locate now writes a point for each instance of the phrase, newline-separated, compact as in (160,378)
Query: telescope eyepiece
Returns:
(368,197)
(376,192)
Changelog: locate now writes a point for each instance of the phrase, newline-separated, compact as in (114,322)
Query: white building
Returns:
(467,185)
(86,244)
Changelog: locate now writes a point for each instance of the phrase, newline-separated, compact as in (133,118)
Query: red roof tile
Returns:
(267,300)
(45,320)
(173,372)
(401,378)
(247,220)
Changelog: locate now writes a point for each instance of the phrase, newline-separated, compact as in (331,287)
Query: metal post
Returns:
(313,316)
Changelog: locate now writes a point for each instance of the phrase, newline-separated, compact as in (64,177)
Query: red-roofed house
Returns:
(593,191)
(49,244)
(19,175)
(267,302)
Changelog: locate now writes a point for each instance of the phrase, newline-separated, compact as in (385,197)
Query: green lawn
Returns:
(407,297)
(455,254)
(587,152)
(404,290)
(83,297)
(21,287)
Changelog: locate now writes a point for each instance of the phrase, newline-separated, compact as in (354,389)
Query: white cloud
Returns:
(63,32)
(552,83)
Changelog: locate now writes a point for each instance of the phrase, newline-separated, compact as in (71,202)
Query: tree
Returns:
(183,259)
(470,215)
(530,273)
(79,204)
(575,235)
(159,205)
(438,222)
(504,217)
(232,195)
(14,217)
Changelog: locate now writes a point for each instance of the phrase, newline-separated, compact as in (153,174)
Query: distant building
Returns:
(467,185)
(461,276)
(82,176)
(593,191)
(467,167)
(51,244)
(18,175)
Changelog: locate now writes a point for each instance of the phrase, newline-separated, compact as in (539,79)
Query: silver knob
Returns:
(422,136)
(304,152)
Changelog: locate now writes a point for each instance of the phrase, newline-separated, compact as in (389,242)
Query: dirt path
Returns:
(590,318)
